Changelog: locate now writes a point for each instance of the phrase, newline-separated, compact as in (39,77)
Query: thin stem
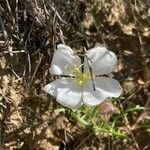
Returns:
(91,74)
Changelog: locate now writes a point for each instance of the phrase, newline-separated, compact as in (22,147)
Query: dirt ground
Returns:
(29,33)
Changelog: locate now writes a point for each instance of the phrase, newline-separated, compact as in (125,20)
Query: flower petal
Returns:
(108,86)
(66,91)
(92,97)
(101,60)
(63,60)
(55,87)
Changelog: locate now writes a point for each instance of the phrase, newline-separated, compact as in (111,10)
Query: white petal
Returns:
(66,91)
(63,60)
(108,86)
(101,60)
(92,97)
(55,87)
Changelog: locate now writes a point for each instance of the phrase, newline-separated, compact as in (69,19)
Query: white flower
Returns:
(80,86)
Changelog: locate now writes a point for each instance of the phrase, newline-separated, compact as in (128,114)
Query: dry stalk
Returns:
(7,42)
(36,68)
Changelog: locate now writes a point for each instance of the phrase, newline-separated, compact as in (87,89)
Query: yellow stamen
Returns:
(80,77)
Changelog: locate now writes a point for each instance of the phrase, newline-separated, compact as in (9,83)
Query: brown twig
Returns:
(37,66)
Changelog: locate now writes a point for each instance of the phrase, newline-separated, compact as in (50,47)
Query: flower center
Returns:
(80,77)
